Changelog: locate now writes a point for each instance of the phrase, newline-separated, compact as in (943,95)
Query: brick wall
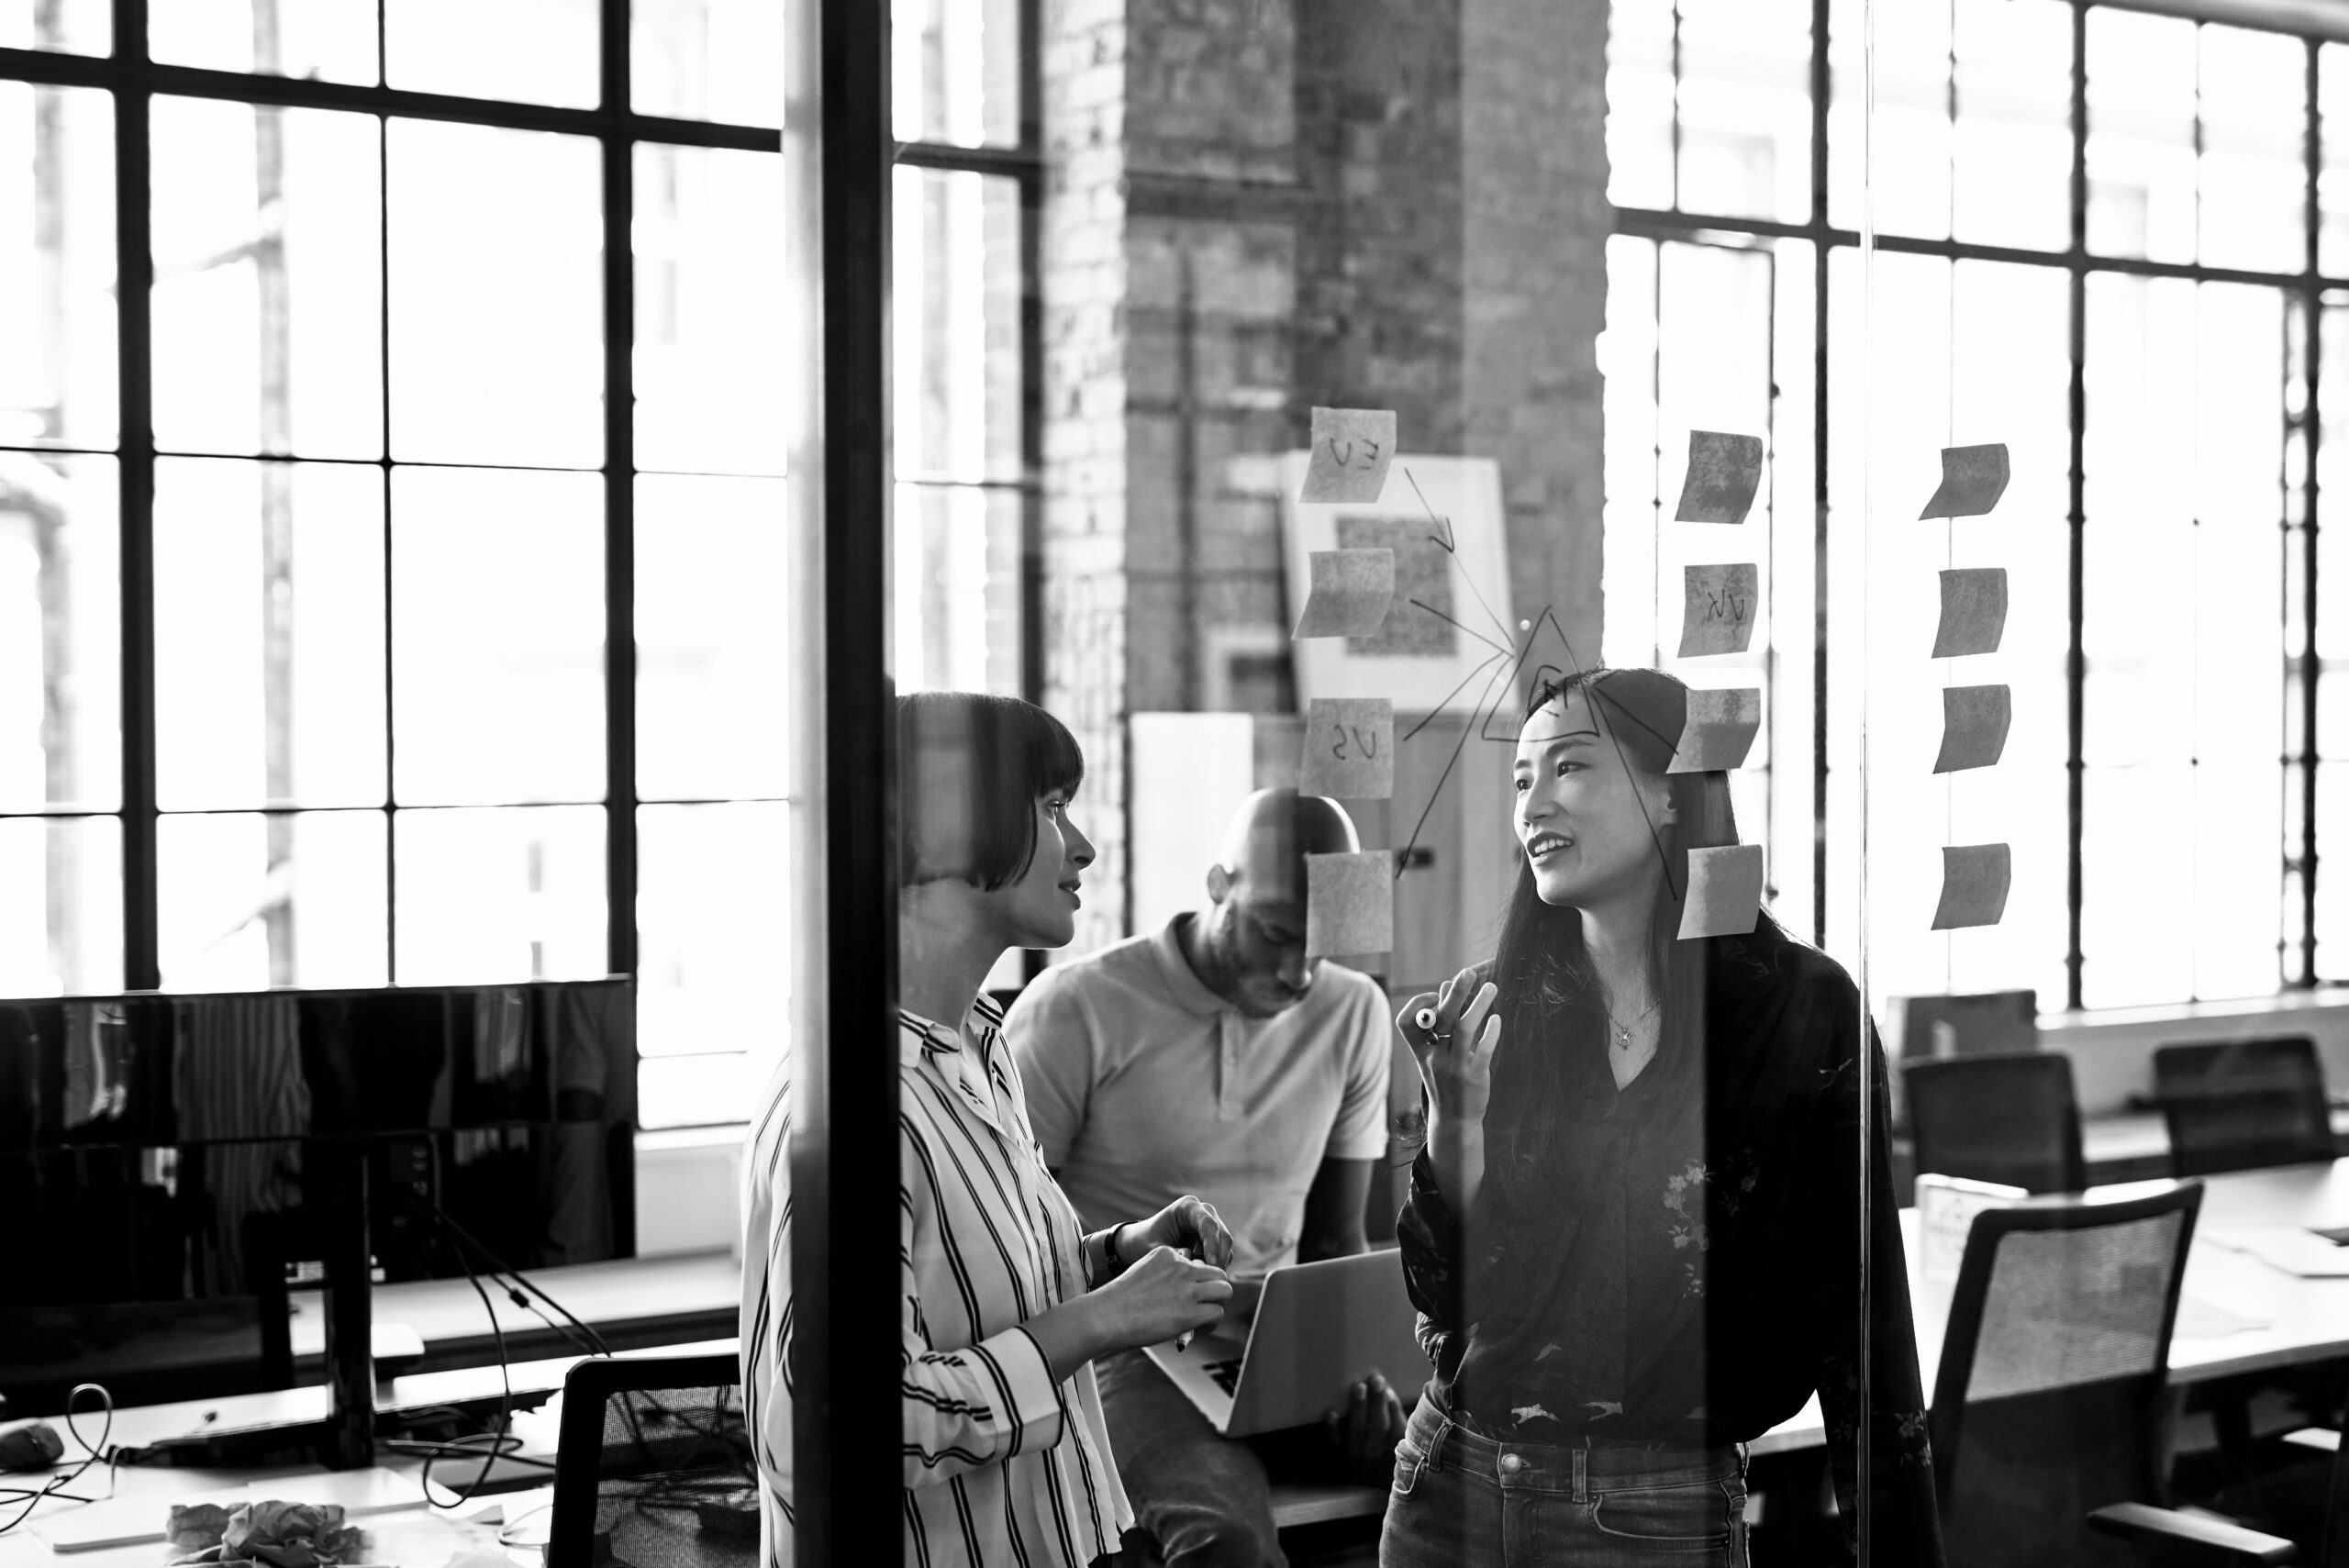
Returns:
(1257,205)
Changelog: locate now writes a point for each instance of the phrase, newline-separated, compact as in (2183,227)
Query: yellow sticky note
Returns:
(1975,880)
(1975,721)
(1720,730)
(1724,472)
(1725,891)
(1352,448)
(1347,593)
(1973,478)
(1974,611)
(1349,749)
(1349,904)
(1720,606)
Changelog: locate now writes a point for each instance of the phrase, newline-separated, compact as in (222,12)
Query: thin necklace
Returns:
(1623,1031)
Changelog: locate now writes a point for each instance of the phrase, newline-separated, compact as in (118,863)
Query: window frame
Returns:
(2303,293)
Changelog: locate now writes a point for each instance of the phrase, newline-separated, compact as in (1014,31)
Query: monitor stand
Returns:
(348,1442)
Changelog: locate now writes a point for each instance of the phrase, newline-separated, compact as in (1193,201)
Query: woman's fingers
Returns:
(1481,1060)
(1472,1017)
(1454,996)
(1208,1233)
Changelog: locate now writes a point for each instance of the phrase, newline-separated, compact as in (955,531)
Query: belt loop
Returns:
(1435,1444)
(1582,1469)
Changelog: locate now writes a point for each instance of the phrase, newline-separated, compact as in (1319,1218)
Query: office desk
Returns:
(2237,1315)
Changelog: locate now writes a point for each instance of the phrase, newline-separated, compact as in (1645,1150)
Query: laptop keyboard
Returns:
(1225,1372)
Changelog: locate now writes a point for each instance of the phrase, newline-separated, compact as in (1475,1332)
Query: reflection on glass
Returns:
(712,932)
(710,638)
(957,75)
(57,267)
(497,636)
(500,895)
(245,901)
(61,633)
(958,564)
(60,905)
(268,281)
(709,333)
(268,634)
(496,296)
(2185,697)
(2254,128)
(706,60)
(956,325)
(1978,352)
(1744,108)
(541,52)
(325,41)
(77,26)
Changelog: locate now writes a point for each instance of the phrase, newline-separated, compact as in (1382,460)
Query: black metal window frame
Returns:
(2304,290)
(134,80)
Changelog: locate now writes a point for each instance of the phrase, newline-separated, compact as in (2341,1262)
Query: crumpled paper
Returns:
(281,1535)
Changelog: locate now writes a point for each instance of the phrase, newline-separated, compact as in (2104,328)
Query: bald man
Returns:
(1212,1056)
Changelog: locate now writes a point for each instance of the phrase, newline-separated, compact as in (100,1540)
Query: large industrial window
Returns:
(391,497)
(2114,242)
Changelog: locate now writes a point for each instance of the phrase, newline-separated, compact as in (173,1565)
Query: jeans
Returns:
(1202,1496)
(1464,1501)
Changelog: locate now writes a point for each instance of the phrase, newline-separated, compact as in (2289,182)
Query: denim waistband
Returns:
(1579,1465)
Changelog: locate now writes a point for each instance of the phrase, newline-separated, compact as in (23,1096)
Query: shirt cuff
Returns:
(1032,1411)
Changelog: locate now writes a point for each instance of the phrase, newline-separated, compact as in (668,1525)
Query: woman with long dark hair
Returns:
(1633,1234)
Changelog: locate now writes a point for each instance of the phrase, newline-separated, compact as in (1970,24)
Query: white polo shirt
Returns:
(1143,1086)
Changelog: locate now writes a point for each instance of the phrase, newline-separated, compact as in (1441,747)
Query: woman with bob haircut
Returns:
(1633,1233)
(1006,1305)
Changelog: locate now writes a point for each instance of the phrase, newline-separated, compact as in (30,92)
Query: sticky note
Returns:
(1347,593)
(1974,611)
(1720,605)
(1352,448)
(1349,904)
(1724,471)
(1725,891)
(1720,729)
(1973,478)
(1349,749)
(1975,721)
(1975,878)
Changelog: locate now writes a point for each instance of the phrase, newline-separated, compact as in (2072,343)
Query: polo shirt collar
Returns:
(1185,985)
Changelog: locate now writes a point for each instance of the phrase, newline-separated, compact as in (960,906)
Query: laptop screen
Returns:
(675,1487)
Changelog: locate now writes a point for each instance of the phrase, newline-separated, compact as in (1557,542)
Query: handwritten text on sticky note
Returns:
(1724,471)
(1347,593)
(1352,448)
(1975,721)
(1974,611)
(1721,601)
(1975,879)
(1724,891)
(1719,731)
(1349,904)
(1349,749)
(1973,478)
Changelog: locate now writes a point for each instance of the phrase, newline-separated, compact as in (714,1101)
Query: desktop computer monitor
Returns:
(170,1165)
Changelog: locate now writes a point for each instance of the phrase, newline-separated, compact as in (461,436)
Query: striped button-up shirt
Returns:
(1001,1466)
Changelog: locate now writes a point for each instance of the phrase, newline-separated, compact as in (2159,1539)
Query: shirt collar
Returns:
(919,1037)
(1188,990)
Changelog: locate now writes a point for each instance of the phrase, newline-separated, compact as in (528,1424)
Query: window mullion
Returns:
(134,274)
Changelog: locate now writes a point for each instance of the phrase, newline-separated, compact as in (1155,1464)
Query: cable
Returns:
(498,1265)
(505,1399)
(56,1487)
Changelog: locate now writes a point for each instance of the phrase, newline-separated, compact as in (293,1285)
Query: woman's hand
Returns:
(1164,1296)
(1189,1224)
(1455,1050)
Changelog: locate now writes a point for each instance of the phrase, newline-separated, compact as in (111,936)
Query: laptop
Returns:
(1318,1327)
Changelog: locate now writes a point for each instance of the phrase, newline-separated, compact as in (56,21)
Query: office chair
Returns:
(2325,1544)
(2238,1104)
(2009,1117)
(2050,1401)
(653,1465)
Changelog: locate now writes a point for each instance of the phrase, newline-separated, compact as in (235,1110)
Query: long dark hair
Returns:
(1552,1008)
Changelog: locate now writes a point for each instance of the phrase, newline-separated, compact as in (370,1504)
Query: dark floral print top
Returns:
(1677,1260)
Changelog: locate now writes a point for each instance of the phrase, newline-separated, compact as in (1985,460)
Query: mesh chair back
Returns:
(2011,1118)
(2050,1398)
(2243,1104)
(653,1468)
